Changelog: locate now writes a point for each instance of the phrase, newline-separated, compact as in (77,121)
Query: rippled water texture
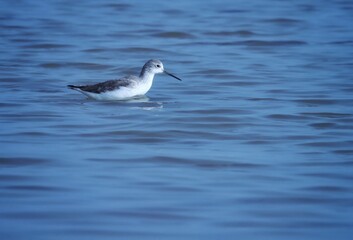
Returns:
(255,143)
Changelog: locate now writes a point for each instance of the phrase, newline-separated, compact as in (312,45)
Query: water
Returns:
(255,143)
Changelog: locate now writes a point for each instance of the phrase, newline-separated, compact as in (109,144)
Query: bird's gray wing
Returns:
(108,85)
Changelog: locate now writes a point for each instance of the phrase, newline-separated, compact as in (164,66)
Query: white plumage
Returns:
(126,87)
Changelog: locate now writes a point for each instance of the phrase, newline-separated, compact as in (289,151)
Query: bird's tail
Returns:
(74,87)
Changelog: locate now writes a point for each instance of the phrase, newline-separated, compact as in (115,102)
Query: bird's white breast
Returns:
(136,89)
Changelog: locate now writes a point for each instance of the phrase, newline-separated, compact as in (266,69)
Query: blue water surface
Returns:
(254,143)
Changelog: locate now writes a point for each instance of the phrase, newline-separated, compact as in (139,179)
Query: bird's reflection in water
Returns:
(144,103)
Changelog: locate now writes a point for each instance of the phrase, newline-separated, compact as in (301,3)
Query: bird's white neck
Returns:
(146,81)
(147,77)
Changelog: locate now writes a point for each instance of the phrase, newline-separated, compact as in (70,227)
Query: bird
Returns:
(126,87)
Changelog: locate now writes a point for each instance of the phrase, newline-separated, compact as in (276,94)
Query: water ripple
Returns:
(18,161)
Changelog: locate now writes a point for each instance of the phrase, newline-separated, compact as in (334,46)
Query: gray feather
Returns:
(110,85)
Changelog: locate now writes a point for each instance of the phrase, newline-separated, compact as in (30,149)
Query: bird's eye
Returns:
(158,65)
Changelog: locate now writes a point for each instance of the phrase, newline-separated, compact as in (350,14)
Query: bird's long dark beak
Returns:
(172,75)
